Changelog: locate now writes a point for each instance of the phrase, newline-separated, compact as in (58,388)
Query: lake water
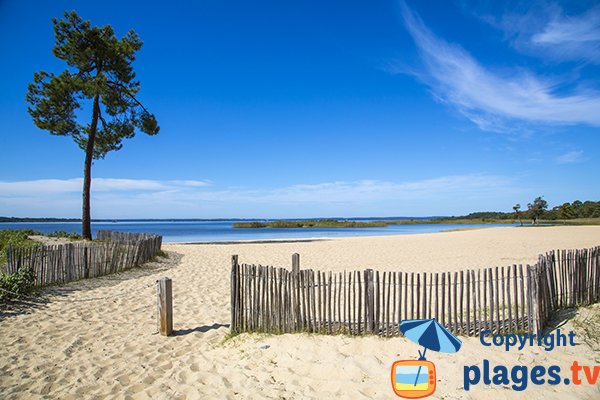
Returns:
(222,231)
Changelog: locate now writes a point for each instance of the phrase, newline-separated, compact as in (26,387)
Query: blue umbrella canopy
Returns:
(430,334)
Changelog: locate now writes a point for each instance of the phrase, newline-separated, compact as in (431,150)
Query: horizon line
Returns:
(67,219)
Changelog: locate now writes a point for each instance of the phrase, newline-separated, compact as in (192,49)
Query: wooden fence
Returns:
(114,252)
(566,278)
(504,300)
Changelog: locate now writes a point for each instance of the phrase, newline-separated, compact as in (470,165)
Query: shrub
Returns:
(20,283)
(66,235)
(249,225)
(14,238)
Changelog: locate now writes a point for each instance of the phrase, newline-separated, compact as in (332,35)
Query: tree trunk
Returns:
(86,227)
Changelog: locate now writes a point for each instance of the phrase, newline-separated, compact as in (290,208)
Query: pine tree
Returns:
(99,71)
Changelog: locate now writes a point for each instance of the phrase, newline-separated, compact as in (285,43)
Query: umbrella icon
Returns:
(431,335)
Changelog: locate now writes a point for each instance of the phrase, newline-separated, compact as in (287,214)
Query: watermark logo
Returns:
(518,377)
(415,379)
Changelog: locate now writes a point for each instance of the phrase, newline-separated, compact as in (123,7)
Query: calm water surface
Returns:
(222,231)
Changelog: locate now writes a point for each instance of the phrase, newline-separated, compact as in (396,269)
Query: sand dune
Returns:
(98,338)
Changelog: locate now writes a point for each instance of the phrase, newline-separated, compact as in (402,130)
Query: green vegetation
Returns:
(332,223)
(250,225)
(160,254)
(454,220)
(517,210)
(537,208)
(15,285)
(14,238)
(587,323)
(99,72)
(65,235)
(20,238)
(18,219)
(576,221)
(316,223)
(576,213)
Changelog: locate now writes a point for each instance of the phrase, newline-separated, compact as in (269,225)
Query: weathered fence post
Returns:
(369,301)
(9,259)
(86,267)
(297,301)
(531,299)
(235,303)
(165,306)
(296,289)
(296,263)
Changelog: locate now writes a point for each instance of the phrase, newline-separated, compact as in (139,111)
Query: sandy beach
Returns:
(98,338)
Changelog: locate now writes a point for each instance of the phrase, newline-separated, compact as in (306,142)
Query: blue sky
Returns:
(320,108)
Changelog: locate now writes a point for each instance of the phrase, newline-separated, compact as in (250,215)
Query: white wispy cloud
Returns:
(545,30)
(494,100)
(563,29)
(369,190)
(574,38)
(571,157)
(49,186)
(111,198)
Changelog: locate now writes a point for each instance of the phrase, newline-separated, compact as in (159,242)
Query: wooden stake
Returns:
(165,306)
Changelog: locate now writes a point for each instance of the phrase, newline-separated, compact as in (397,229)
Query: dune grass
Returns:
(15,238)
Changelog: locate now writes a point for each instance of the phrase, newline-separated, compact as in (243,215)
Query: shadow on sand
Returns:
(42,296)
(203,329)
(559,318)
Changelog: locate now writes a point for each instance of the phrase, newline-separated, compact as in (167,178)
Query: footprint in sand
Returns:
(182,377)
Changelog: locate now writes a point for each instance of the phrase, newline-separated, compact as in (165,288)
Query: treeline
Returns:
(18,219)
(577,209)
(538,210)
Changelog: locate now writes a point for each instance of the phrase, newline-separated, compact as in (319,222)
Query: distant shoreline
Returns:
(51,219)
(354,222)
(351,224)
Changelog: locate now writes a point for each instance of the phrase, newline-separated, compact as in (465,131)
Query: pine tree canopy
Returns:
(99,69)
